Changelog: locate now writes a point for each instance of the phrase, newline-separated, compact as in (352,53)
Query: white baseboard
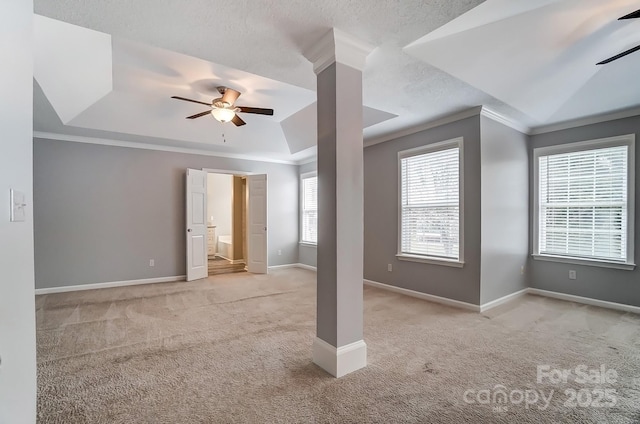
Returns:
(298,265)
(424,296)
(342,360)
(585,300)
(502,300)
(111,284)
(285,266)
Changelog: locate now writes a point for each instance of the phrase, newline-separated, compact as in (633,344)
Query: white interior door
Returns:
(257,223)
(196,228)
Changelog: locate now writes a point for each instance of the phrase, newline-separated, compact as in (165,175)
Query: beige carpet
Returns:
(236,348)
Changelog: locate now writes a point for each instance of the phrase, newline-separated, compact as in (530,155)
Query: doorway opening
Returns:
(247,234)
(226,223)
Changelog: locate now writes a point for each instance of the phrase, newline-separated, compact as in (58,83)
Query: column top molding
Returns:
(338,46)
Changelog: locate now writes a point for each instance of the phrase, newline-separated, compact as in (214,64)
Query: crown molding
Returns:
(495,116)
(590,120)
(338,46)
(474,111)
(311,159)
(149,146)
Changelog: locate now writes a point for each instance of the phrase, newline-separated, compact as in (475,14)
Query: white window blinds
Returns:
(310,210)
(430,204)
(583,204)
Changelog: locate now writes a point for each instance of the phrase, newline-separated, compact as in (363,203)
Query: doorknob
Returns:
(188,230)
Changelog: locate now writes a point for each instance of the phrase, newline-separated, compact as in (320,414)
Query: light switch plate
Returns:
(18,206)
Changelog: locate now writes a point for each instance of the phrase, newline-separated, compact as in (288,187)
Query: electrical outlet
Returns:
(152,262)
(522,270)
(389,267)
(279,252)
(572,274)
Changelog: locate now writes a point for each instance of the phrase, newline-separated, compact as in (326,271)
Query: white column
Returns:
(17,303)
(338,62)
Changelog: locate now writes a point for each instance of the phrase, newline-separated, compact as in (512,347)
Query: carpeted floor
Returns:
(236,349)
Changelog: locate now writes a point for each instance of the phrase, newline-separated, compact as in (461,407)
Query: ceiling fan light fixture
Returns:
(223,115)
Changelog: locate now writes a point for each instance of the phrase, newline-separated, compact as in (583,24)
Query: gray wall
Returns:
(504,209)
(102,212)
(599,283)
(307,254)
(17,306)
(381,217)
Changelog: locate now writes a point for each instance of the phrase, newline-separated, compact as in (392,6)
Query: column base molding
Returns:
(339,361)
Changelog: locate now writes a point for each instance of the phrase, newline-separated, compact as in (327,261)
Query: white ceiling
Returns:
(530,61)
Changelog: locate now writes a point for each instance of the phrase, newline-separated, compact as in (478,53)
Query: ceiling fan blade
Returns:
(238,121)
(632,15)
(258,110)
(189,100)
(618,56)
(198,115)
(230,96)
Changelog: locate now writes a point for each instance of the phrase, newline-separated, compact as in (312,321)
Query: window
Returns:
(309,200)
(584,202)
(430,203)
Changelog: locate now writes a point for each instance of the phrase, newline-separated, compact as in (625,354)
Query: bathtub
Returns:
(225,247)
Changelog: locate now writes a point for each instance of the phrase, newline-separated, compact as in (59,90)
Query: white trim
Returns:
(308,267)
(505,299)
(338,46)
(512,123)
(342,360)
(149,146)
(581,122)
(307,244)
(430,260)
(424,296)
(620,140)
(296,265)
(285,266)
(504,120)
(502,300)
(587,262)
(228,172)
(95,286)
(474,111)
(426,149)
(307,160)
(585,300)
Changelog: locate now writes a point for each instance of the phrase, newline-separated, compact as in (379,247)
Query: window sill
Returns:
(307,244)
(430,260)
(587,262)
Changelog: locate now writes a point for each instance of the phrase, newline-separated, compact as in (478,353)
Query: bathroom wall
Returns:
(219,207)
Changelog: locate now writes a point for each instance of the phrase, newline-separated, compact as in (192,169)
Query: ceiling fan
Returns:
(632,15)
(224,109)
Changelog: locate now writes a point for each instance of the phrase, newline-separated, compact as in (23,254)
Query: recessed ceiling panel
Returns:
(538,59)
(72,65)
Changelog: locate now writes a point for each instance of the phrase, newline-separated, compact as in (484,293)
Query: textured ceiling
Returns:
(550,74)
(264,40)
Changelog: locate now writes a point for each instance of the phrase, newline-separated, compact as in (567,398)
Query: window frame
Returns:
(425,149)
(617,141)
(304,176)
